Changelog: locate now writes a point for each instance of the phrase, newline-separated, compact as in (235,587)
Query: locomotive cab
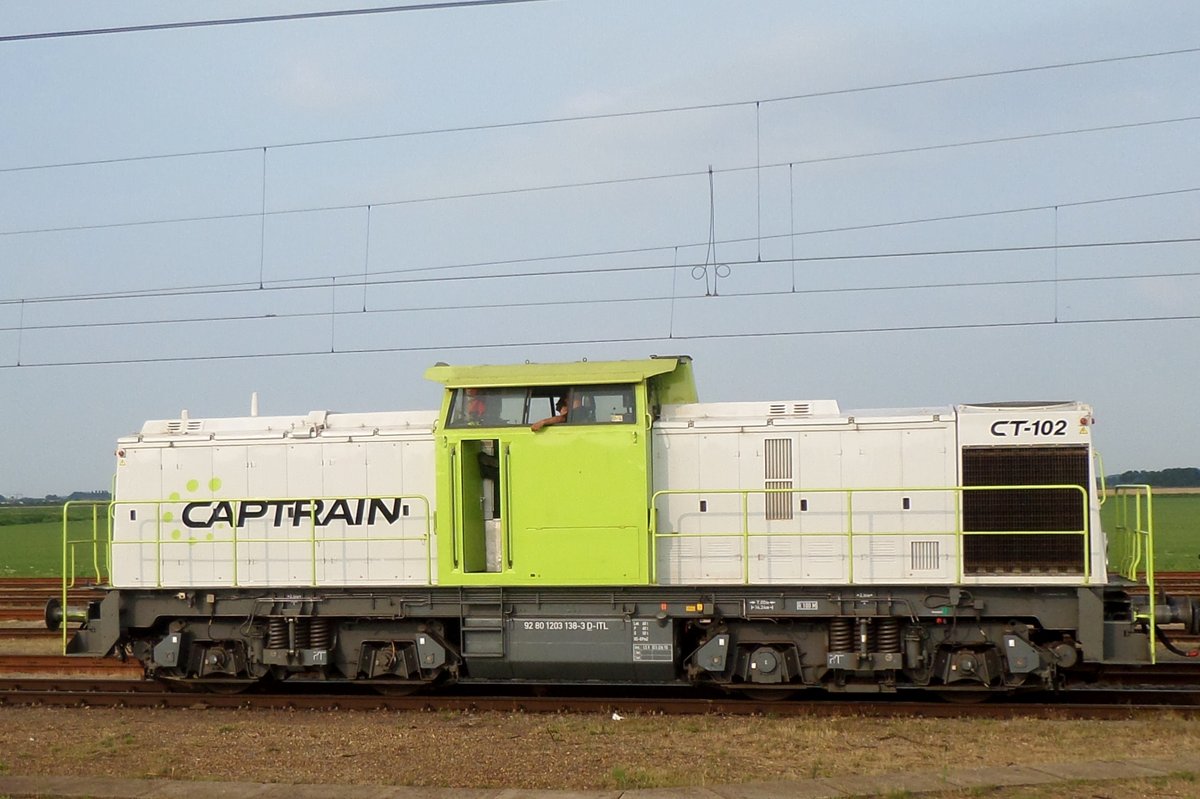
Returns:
(561,505)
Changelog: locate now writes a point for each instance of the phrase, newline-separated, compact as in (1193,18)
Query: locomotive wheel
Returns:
(766,694)
(387,688)
(964,697)
(227,687)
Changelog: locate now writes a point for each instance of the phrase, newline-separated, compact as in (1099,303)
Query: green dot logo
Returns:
(192,486)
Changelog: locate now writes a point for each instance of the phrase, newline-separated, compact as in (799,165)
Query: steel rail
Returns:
(1097,705)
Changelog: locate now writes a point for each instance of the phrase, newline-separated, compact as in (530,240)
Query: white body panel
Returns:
(324,499)
(868,497)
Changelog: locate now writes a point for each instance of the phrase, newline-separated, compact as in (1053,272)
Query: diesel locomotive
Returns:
(637,536)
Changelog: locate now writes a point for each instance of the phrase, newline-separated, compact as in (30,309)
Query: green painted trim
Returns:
(677,387)
(554,374)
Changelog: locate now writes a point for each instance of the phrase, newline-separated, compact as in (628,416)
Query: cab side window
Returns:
(514,407)
(487,407)
(602,405)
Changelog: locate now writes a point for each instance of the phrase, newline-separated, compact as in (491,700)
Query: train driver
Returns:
(558,418)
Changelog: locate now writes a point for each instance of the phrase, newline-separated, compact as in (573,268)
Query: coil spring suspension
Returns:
(277,634)
(841,635)
(321,634)
(303,629)
(887,635)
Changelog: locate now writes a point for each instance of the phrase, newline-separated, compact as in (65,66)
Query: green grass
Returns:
(31,541)
(1176,530)
(624,779)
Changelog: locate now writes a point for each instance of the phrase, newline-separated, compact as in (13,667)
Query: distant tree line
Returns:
(55,499)
(1183,477)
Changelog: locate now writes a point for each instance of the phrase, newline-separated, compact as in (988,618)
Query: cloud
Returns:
(310,85)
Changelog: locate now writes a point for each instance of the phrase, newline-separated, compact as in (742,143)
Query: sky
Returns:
(890,205)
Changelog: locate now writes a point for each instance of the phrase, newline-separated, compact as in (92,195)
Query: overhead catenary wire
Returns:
(673,297)
(263,213)
(565,119)
(491,345)
(331,283)
(381,277)
(293,17)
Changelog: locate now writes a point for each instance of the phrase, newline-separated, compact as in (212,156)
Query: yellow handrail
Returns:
(1133,538)
(69,546)
(849,532)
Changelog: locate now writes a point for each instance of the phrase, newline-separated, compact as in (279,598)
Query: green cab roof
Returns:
(573,373)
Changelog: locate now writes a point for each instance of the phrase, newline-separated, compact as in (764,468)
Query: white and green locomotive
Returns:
(636,536)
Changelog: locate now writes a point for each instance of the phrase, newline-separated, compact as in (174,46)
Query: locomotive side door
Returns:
(477,504)
(473,452)
(578,490)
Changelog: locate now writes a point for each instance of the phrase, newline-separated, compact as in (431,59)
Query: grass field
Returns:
(31,537)
(31,541)
(1176,530)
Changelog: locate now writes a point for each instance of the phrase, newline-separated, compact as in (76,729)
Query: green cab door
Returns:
(578,497)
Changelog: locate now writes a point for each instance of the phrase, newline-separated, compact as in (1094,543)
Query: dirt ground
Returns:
(516,750)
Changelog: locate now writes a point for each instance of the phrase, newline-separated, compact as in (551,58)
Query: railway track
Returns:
(1094,704)
(1181,583)
(24,598)
(28,633)
(72,665)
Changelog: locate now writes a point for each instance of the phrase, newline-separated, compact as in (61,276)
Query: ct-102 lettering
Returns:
(1007,428)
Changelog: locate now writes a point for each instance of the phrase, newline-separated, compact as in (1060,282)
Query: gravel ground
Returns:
(515,750)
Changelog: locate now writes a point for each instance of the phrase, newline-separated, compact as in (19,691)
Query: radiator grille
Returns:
(777,465)
(1043,511)
(777,454)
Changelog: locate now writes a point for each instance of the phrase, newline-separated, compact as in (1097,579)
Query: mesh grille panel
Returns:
(1023,510)
(777,465)
(779,506)
(778,458)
